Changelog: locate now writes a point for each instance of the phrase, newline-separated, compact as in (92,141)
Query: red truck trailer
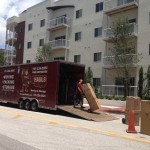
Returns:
(40,85)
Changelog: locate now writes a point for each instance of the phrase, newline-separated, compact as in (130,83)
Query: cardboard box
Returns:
(145,117)
(90,96)
(145,105)
(133,103)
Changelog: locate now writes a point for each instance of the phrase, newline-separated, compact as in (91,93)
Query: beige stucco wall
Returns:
(33,16)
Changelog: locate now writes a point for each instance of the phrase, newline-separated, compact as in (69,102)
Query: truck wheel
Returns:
(21,104)
(89,111)
(34,106)
(27,105)
(123,120)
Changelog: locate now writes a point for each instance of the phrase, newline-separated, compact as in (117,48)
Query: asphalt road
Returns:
(7,143)
(25,130)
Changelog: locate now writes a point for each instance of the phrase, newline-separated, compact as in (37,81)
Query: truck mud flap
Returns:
(92,116)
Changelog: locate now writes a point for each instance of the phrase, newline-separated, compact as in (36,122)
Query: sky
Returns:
(11,8)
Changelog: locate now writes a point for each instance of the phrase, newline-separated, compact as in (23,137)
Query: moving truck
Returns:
(40,85)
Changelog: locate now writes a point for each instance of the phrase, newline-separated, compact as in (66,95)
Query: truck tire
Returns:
(21,104)
(27,105)
(34,106)
(123,120)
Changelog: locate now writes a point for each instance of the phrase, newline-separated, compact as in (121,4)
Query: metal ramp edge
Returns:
(94,116)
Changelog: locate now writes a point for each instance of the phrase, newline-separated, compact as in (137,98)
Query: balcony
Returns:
(11,38)
(120,61)
(133,29)
(118,90)
(59,44)
(13,20)
(58,23)
(116,6)
(10,53)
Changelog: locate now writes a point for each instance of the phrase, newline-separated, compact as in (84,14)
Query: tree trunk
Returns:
(126,84)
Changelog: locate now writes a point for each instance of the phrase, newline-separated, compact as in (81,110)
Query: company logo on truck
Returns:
(39,80)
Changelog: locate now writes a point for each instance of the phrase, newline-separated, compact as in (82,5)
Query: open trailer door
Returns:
(70,73)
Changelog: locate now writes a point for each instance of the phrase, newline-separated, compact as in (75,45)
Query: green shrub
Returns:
(123,98)
(100,96)
(109,97)
(117,98)
(146,98)
(106,97)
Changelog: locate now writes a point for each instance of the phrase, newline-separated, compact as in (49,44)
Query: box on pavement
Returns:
(90,96)
(145,117)
(133,103)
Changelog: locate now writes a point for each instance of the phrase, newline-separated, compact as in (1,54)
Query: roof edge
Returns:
(59,7)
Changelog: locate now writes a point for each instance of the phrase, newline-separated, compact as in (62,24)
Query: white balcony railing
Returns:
(58,22)
(110,5)
(120,60)
(118,90)
(61,43)
(133,29)
(10,52)
(12,36)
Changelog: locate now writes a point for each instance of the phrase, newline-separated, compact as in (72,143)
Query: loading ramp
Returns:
(97,115)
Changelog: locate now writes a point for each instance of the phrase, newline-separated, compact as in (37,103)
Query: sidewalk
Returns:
(111,106)
(112,109)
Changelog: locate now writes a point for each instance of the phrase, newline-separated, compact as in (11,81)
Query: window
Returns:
(60,37)
(79,13)
(59,58)
(61,19)
(97,56)
(120,81)
(30,27)
(77,58)
(78,36)
(42,24)
(96,82)
(28,61)
(98,32)
(29,45)
(99,6)
(120,2)
(132,20)
(41,42)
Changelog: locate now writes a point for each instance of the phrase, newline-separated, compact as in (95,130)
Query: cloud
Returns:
(2,30)
(11,8)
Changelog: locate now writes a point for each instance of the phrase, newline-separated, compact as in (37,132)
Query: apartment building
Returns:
(78,31)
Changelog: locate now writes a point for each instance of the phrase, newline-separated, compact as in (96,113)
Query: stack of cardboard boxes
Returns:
(141,110)
(145,117)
